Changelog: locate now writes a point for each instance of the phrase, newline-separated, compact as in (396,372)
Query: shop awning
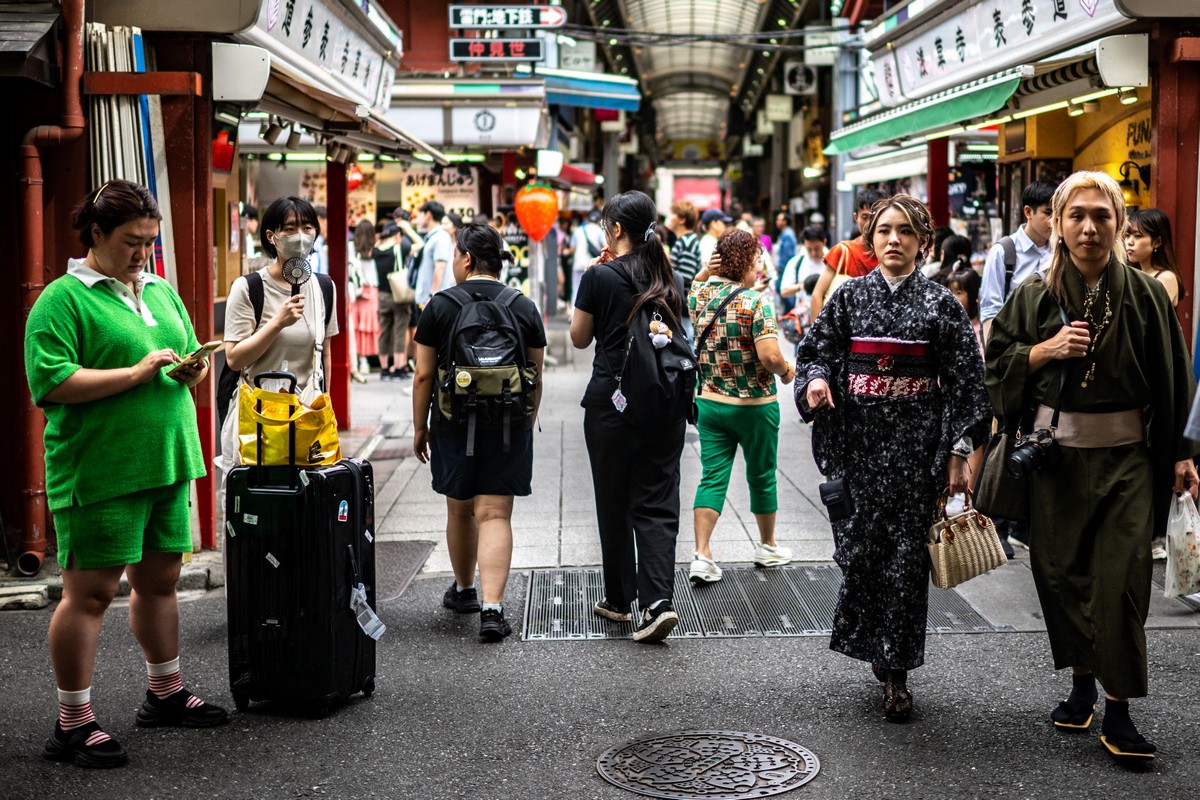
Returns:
(571,176)
(589,90)
(27,45)
(975,100)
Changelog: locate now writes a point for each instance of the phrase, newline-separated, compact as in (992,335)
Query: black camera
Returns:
(1033,452)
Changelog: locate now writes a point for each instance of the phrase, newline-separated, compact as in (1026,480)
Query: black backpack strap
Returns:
(1010,263)
(254,288)
(506,298)
(326,284)
(720,310)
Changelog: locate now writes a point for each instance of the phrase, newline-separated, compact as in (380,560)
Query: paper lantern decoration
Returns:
(354,177)
(537,210)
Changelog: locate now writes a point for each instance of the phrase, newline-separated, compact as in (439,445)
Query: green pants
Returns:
(1090,525)
(722,427)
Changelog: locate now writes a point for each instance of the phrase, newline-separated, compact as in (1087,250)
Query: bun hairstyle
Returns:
(486,247)
(111,206)
(914,211)
(647,260)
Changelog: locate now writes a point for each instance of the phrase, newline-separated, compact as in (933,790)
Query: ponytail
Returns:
(648,261)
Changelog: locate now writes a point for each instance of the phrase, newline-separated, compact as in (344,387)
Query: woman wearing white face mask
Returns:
(292,332)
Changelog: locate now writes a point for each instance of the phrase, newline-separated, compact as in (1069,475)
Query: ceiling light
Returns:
(1128,96)
(293,140)
(273,132)
(1094,95)
(1075,109)
(1039,110)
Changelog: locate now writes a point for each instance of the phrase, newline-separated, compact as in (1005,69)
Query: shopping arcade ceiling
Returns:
(692,82)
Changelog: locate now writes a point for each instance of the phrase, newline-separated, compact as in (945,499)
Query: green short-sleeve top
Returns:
(143,438)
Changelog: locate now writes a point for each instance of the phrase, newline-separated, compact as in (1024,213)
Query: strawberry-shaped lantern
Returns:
(537,210)
(354,177)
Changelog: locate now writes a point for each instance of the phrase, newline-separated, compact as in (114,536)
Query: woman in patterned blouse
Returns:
(739,358)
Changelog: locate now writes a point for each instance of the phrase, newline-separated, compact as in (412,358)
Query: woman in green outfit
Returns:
(739,359)
(1099,340)
(121,449)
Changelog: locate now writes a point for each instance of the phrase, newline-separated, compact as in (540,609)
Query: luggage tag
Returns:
(367,619)
(618,400)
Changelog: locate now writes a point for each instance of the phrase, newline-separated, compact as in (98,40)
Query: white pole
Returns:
(535,275)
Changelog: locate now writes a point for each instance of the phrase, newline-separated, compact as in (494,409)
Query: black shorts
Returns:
(489,471)
(415,316)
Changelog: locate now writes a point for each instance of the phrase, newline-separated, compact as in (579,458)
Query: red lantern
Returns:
(353,177)
(537,210)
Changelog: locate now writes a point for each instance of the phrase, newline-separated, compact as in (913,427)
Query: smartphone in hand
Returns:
(199,355)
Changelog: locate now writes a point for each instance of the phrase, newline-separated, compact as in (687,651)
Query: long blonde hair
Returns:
(1060,257)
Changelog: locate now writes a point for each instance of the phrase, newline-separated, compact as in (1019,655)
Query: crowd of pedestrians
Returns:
(903,368)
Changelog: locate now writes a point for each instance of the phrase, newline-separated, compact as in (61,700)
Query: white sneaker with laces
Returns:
(766,555)
(704,570)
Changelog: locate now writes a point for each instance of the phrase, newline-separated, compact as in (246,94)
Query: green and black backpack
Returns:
(486,380)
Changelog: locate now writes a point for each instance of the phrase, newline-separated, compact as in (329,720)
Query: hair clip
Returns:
(99,192)
(649,232)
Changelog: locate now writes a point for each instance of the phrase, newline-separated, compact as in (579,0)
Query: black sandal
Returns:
(1071,719)
(897,699)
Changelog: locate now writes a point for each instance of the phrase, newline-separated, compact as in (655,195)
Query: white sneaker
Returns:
(1158,553)
(704,570)
(766,555)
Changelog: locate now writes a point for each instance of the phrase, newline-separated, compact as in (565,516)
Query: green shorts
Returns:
(116,532)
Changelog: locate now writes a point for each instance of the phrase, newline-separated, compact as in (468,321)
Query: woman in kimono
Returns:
(1120,373)
(892,375)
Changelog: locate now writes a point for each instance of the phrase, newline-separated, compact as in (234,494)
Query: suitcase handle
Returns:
(276,375)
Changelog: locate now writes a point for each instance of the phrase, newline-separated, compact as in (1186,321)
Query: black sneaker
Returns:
(610,612)
(657,623)
(182,709)
(404,373)
(464,602)
(492,625)
(73,745)
(387,374)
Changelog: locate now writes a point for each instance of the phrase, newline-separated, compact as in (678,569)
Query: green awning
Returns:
(924,115)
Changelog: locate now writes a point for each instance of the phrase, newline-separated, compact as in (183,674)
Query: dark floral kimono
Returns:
(907,381)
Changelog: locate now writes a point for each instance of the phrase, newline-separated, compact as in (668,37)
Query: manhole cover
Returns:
(713,765)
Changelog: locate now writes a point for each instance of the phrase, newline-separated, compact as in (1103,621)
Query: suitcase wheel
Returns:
(241,701)
(368,687)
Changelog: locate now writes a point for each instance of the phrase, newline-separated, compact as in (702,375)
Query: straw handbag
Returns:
(962,546)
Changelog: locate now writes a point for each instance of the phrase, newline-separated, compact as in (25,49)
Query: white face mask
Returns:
(297,245)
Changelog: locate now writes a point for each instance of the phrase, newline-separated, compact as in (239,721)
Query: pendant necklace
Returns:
(1098,326)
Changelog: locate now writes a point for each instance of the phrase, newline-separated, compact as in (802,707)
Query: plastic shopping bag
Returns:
(1183,548)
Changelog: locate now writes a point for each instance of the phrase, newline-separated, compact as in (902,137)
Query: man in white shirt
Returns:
(809,261)
(436,255)
(1031,244)
(713,222)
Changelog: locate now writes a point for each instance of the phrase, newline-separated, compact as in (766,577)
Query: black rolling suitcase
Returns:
(298,542)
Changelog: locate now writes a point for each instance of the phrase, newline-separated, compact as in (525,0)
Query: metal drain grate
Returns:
(795,600)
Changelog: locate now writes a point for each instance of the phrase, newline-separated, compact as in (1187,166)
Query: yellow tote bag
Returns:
(282,412)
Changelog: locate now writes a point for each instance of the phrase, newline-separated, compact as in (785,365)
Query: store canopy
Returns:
(975,100)
(589,90)
(27,42)
(571,176)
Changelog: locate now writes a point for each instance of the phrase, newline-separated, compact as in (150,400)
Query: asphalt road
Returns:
(455,719)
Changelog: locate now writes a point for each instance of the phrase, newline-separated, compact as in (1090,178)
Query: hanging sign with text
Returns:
(506,17)
(496,50)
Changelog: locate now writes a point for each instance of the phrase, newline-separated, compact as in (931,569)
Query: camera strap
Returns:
(1062,377)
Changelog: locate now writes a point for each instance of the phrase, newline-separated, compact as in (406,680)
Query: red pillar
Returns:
(335,240)
(187,122)
(938,182)
(1176,117)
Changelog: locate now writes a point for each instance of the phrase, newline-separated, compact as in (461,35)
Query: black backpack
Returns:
(658,385)
(227,384)
(486,380)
